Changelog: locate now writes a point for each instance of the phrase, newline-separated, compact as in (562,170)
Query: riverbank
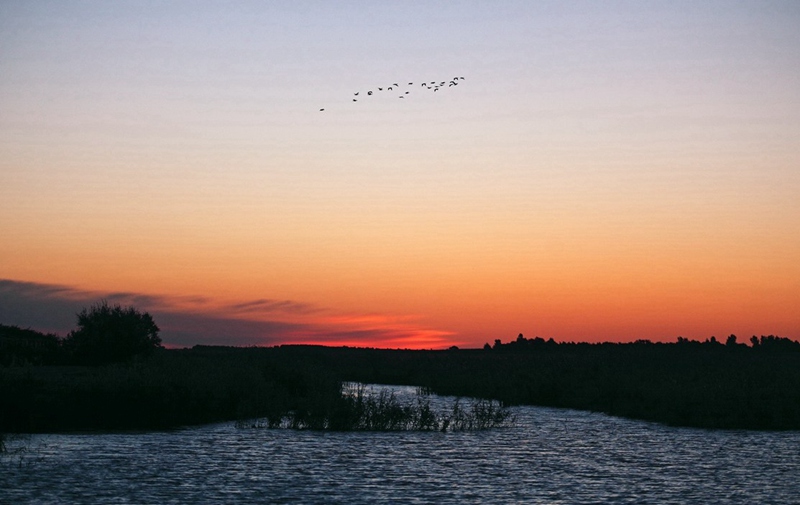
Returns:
(707,386)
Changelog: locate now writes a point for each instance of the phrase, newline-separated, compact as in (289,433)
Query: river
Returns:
(548,456)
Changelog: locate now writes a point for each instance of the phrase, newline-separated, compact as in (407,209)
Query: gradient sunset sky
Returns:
(606,171)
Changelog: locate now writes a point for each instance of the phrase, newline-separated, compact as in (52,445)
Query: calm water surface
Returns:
(549,456)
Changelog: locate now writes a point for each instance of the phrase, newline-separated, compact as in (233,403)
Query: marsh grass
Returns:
(360,408)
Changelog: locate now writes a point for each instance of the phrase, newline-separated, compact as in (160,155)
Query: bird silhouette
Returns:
(321,110)
(369,92)
(381,89)
(356,94)
(355,100)
(410,83)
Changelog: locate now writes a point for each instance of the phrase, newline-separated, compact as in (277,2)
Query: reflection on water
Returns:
(549,456)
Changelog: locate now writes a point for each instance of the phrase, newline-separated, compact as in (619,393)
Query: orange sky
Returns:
(608,174)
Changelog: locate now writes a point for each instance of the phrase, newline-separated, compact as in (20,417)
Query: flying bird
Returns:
(321,110)
(433,85)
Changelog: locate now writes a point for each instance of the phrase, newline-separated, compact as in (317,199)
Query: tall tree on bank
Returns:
(107,334)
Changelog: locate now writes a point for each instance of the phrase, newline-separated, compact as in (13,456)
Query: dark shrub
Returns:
(108,334)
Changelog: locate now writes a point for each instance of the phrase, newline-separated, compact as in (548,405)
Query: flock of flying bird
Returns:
(394,87)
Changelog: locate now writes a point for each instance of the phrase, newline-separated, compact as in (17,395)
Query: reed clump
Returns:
(363,409)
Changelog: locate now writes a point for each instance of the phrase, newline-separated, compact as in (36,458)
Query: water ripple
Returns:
(550,456)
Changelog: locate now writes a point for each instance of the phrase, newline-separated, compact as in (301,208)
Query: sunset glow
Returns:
(603,172)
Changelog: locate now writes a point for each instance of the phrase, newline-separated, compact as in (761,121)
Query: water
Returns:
(549,456)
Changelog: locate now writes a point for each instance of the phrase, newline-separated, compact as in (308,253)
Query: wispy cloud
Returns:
(190,320)
(396,338)
(382,330)
(266,305)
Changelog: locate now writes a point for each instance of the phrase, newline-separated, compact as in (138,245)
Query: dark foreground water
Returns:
(549,456)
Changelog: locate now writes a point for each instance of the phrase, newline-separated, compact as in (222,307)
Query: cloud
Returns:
(266,305)
(184,321)
(45,307)
(183,329)
(189,320)
(394,338)
(379,330)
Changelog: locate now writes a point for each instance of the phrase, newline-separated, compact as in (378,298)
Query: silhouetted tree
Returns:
(775,343)
(731,341)
(108,334)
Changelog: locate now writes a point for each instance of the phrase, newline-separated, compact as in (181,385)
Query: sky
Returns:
(604,171)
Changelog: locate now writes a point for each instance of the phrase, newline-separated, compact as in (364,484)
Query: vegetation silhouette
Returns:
(107,334)
(706,384)
(20,347)
(362,409)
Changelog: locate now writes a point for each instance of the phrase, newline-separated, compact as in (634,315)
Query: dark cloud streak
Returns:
(53,308)
(269,305)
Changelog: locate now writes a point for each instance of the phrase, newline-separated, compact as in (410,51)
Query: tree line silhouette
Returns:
(770,342)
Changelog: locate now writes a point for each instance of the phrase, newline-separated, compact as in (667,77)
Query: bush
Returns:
(108,334)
